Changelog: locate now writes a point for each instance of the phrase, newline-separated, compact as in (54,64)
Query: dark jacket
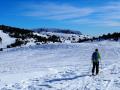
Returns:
(96,56)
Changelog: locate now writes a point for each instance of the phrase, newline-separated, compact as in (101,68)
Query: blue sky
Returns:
(92,17)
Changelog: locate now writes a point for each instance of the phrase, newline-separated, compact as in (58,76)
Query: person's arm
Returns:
(100,60)
(92,58)
(99,56)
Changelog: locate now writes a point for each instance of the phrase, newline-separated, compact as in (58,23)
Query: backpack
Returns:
(95,57)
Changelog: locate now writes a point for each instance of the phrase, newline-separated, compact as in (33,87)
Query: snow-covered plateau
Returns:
(60,67)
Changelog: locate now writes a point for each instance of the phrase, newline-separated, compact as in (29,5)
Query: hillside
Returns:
(56,61)
(6,39)
(25,37)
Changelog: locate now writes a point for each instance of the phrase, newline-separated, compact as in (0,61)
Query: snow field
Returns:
(60,67)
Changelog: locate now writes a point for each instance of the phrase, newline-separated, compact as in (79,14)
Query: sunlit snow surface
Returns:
(60,67)
(6,39)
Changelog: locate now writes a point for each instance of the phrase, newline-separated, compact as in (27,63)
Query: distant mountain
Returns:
(66,31)
(65,35)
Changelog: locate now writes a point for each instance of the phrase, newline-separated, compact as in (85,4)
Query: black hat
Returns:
(96,49)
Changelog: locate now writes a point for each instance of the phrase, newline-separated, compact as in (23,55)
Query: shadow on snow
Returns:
(65,79)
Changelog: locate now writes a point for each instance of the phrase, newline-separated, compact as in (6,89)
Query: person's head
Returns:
(96,50)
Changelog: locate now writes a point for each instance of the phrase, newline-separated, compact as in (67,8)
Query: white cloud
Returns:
(106,15)
(112,23)
(57,12)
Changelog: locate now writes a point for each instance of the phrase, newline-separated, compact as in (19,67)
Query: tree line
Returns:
(22,36)
(110,36)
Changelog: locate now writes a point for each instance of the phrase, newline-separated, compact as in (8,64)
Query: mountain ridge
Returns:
(56,30)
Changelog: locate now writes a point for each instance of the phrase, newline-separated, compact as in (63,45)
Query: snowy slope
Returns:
(6,39)
(66,37)
(69,36)
(60,67)
(33,40)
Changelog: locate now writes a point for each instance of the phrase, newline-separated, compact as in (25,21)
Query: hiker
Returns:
(95,61)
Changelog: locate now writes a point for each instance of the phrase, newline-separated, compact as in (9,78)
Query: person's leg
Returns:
(93,68)
(97,68)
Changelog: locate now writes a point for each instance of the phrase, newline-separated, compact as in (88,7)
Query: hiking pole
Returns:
(90,67)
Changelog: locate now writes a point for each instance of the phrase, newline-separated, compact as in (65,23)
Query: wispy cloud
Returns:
(96,22)
(106,15)
(56,12)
